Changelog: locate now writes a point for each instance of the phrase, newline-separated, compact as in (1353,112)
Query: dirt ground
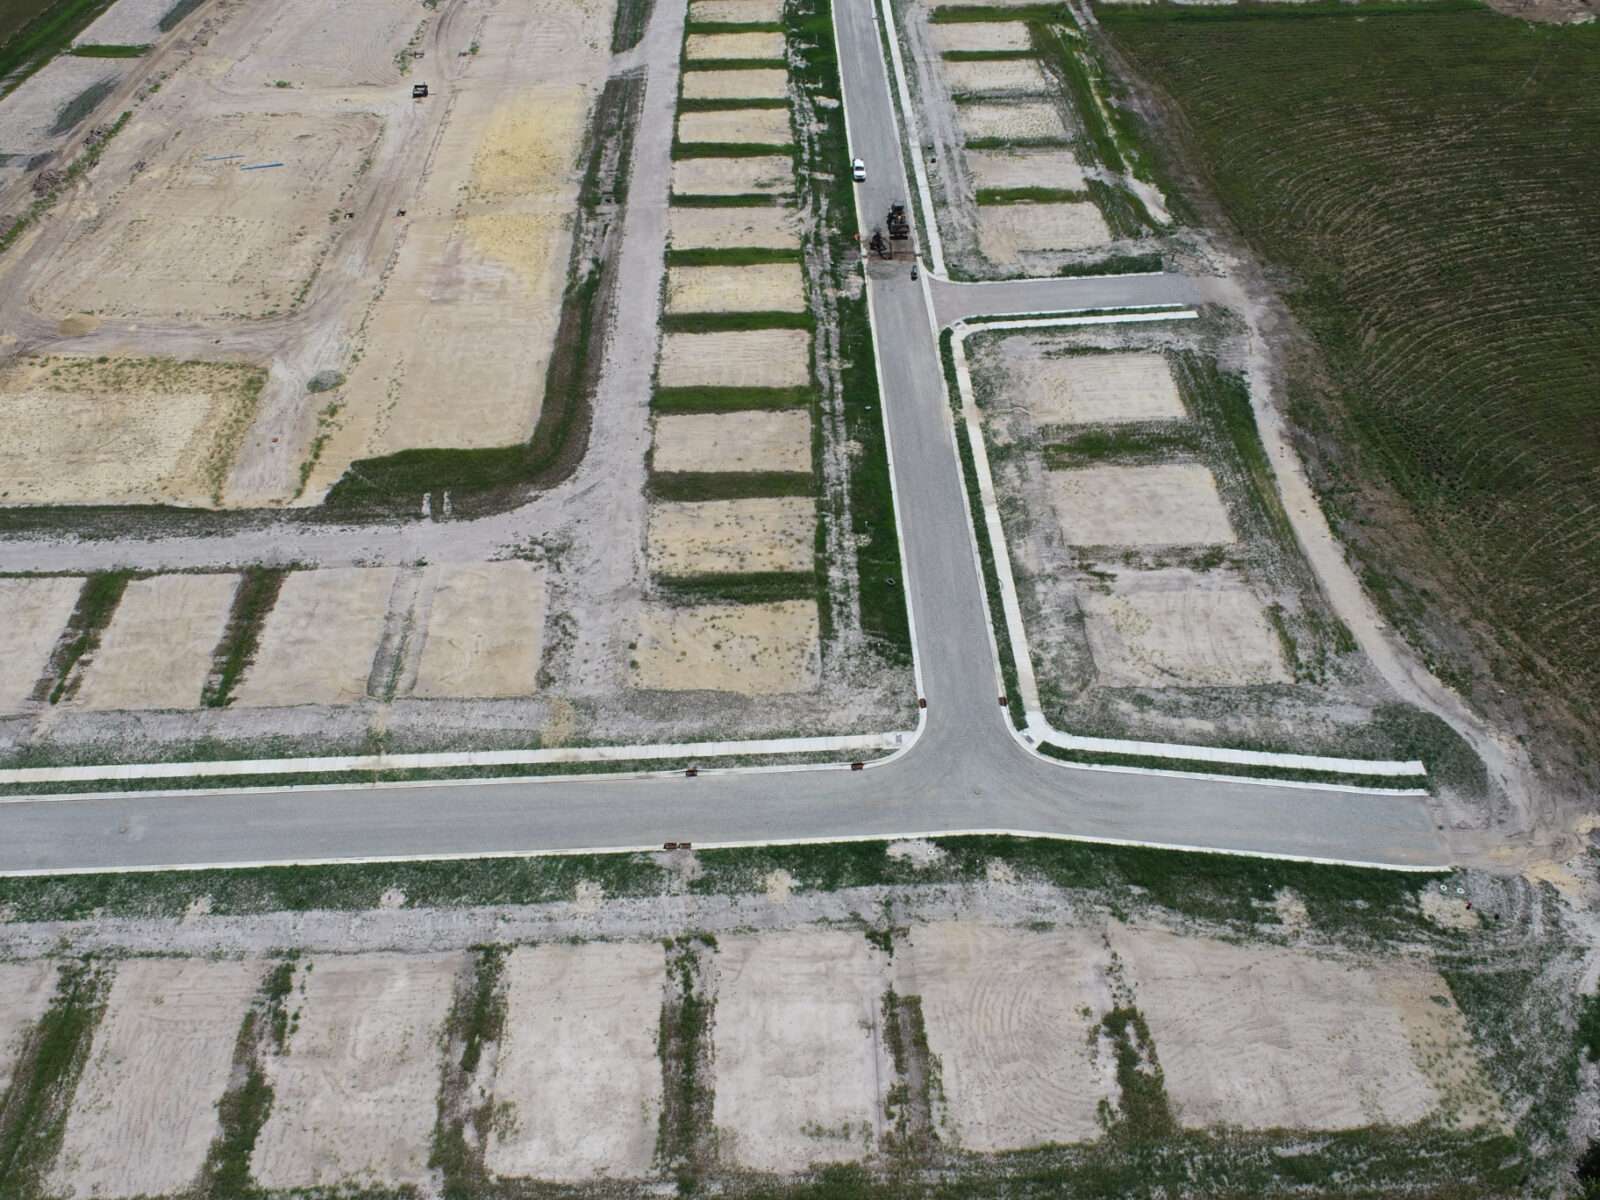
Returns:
(126,23)
(484,631)
(156,651)
(354,1091)
(750,12)
(25,991)
(318,642)
(759,287)
(577,1081)
(765,227)
(1169,504)
(733,45)
(754,84)
(746,358)
(1091,389)
(738,441)
(1023,168)
(144,1113)
(327,46)
(751,649)
(766,125)
(800,1061)
(994,77)
(1017,121)
(981,35)
(775,533)
(1009,232)
(766,174)
(33,613)
(29,115)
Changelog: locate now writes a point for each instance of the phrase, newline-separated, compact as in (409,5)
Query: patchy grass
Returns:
(177,13)
(1030,195)
(101,594)
(80,106)
(475,1025)
(708,104)
(729,485)
(954,14)
(761,587)
(733,27)
(1198,766)
(731,149)
(985,55)
(90,50)
(49,33)
(735,64)
(629,24)
(735,322)
(736,200)
(730,256)
(728,399)
(79,167)
(684,1141)
(257,593)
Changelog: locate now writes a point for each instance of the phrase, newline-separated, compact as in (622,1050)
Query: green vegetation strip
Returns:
(1125,213)
(96,602)
(245,1105)
(682,150)
(1031,195)
(1065,55)
(953,14)
(41,39)
(728,399)
(93,51)
(986,56)
(628,26)
(709,104)
(1129,444)
(734,322)
(729,485)
(738,200)
(257,593)
(730,256)
(683,1045)
(1016,143)
(735,64)
(1117,264)
(762,587)
(43,204)
(177,13)
(1242,770)
(462,1129)
(733,27)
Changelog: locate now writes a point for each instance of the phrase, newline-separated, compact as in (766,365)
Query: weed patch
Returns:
(729,485)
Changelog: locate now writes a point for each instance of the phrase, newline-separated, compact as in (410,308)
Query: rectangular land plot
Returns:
(743,358)
(1024,168)
(1003,75)
(735,441)
(733,45)
(319,640)
(354,1092)
(485,631)
(759,287)
(126,23)
(578,1079)
(25,992)
(755,84)
(720,537)
(764,226)
(1008,231)
(1004,1011)
(797,1049)
(33,615)
(1092,389)
(737,12)
(1172,504)
(156,652)
(980,35)
(1020,121)
(1180,629)
(752,649)
(768,126)
(349,44)
(766,174)
(144,1112)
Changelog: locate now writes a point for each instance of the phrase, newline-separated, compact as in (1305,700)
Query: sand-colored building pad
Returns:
(156,652)
(752,649)
(1026,120)
(980,35)
(25,992)
(1003,75)
(1170,504)
(352,43)
(755,84)
(736,12)
(765,226)
(1025,168)
(33,614)
(733,45)
(318,642)
(799,1067)
(763,174)
(578,1082)
(1008,231)
(1009,1015)
(144,1112)
(485,631)
(718,537)
(1095,389)
(742,358)
(768,126)
(735,441)
(354,1093)
(1180,629)
(759,287)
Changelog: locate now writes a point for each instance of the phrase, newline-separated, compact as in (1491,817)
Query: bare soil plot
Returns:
(771,175)
(197,235)
(754,84)
(485,631)
(578,1082)
(318,642)
(126,23)
(765,226)
(1267,1037)
(1024,168)
(124,431)
(1091,389)
(760,287)
(769,126)
(144,1112)
(799,1064)
(752,649)
(29,115)
(768,533)
(1171,504)
(980,35)
(1018,121)
(25,991)
(1004,75)
(349,44)
(33,614)
(156,651)
(735,441)
(354,1093)
(1008,231)
(1010,1015)
(750,12)
(1180,629)
(733,45)
(744,358)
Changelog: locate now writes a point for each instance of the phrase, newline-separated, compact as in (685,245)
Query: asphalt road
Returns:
(966,772)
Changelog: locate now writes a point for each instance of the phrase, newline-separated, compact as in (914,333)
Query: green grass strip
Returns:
(736,200)
(1029,143)
(986,55)
(176,13)
(1031,195)
(1184,13)
(762,587)
(698,486)
(735,64)
(1242,770)
(96,602)
(726,104)
(731,256)
(80,166)
(94,51)
(257,593)
(1117,264)
(628,26)
(41,39)
(732,150)
(1063,54)
(734,322)
(727,399)
(957,14)
(1123,444)
(1125,213)
(733,27)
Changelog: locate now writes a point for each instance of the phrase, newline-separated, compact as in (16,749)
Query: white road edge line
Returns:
(930,223)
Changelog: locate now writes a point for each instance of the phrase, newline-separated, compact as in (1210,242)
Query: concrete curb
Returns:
(930,222)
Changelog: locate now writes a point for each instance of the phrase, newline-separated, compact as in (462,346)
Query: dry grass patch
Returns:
(746,358)
(1008,231)
(1167,505)
(736,12)
(1011,122)
(156,652)
(755,84)
(33,614)
(1025,168)
(1092,389)
(763,227)
(1002,75)
(318,642)
(485,631)
(751,649)
(767,126)
(771,175)
(733,45)
(980,35)
(759,287)
(720,537)
(735,441)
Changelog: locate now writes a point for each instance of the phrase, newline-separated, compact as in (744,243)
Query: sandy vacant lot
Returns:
(355,1092)
(731,12)
(156,652)
(733,45)
(1014,75)
(766,125)
(1024,168)
(485,631)
(33,614)
(1091,389)
(348,44)
(759,287)
(1172,504)
(754,84)
(578,1083)
(766,226)
(769,533)
(798,1053)
(981,35)
(1010,1016)
(144,1112)
(319,640)
(126,431)
(1007,231)
(766,174)
(28,116)
(753,649)
(1180,629)
(746,358)
(736,441)
(126,23)
(25,991)
(1016,121)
